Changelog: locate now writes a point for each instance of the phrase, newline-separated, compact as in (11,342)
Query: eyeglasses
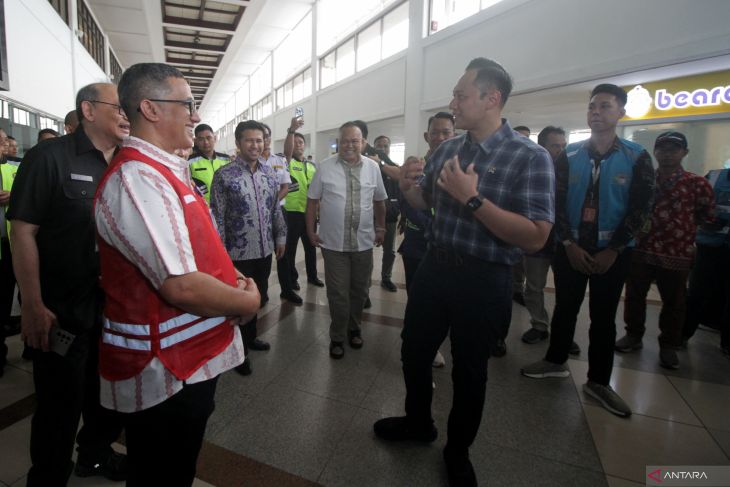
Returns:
(188,103)
(118,107)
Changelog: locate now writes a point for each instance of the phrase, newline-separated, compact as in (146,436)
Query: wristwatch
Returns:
(474,202)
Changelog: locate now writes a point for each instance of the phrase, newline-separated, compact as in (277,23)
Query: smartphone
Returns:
(59,340)
(299,112)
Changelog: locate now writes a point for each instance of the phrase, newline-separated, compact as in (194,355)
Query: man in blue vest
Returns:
(605,188)
(712,266)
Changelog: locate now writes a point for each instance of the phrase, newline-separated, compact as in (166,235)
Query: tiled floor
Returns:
(304,419)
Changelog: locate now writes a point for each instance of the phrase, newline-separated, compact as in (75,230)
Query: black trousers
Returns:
(7,290)
(163,442)
(605,293)
(67,388)
(709,278)
(286,269)
(410,265)
(470,300)
(258,270)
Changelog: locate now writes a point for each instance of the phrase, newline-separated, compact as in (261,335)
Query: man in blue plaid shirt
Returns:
(492,192)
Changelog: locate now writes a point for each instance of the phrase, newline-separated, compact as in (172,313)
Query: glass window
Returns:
(294,52)
(297,88)
(337,19)
(267,107)
(288,93)
(368,46)
(5,111)
(346,60)
(327,71)
(21,116)
(444,13)
(395,31)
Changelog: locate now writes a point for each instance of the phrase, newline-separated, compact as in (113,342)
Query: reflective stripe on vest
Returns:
(114,332)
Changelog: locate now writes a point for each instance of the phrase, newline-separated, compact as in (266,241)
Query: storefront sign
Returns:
(680,97)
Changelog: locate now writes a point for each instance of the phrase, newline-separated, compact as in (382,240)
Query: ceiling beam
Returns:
(204,25)
(240,3)
(191,62)
(191,46)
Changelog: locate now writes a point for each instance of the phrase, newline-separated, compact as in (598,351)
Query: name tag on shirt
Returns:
(82,177)
(188,198)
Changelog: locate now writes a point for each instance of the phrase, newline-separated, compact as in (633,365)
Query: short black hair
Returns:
(248,125)
(201,127)
(611,89)
(545,133)
(361,125)
(144,81)
(71,118)
(10,137)
(443,115)
(354,123)
(491,75)
(520,128)
(87,93)
(43,132)
(267,131)
(381,137)
(299,135)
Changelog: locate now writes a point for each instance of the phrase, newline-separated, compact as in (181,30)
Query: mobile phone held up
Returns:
(299,112)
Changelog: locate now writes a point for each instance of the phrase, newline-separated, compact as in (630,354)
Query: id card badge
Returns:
(589,214)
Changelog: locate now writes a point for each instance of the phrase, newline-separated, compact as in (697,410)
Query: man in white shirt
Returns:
(173,295)
(349,193)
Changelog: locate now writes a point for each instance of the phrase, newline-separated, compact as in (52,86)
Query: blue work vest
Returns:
(614,182)
(721,186)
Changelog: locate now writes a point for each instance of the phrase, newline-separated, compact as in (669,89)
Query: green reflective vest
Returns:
(7,176)
(202,170)
(301,175)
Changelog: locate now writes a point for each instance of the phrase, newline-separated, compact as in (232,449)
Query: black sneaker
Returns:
(388,284)
(259,345)
(337,350)
(355,340)
(316,282)
(292,297)
(397,428)
(295,286)
(459,468)
(244,368)
(533,335)
(113,467)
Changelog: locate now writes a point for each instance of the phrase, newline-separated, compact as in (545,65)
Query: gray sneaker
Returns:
(628,344)
(668,358)
(608,398)
(544,369)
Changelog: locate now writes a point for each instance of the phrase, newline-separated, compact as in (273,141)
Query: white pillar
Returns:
(414,80)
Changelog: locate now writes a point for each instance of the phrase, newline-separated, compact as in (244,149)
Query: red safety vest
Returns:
(138,323)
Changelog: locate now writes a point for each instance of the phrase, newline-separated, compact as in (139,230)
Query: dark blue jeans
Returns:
(605,293)
(469,299)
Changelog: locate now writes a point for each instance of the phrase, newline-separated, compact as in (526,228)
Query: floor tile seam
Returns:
(320,396)
(549,459)
(335,451)
(699,418)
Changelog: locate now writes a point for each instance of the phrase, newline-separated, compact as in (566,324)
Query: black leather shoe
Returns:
(355,340)
(388,284)
(398,428)
(112,467)
(337,350)
(244,368)
(316,282)
(518,298)
(259,345)
(459,468)
(368,304)
(295,286)
(574,349)
(500,348)
(292,297)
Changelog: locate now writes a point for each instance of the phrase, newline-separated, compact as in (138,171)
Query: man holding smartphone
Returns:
(57,268)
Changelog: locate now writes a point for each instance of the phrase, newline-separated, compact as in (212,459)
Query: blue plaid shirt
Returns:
(515,174)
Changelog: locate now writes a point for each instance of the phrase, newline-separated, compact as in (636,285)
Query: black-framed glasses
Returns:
(192,108)
(118,107)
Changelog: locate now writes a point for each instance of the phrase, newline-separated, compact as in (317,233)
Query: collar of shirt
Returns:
(503,133)
(177,165)
(259,164)
(593,153)
(345,163)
